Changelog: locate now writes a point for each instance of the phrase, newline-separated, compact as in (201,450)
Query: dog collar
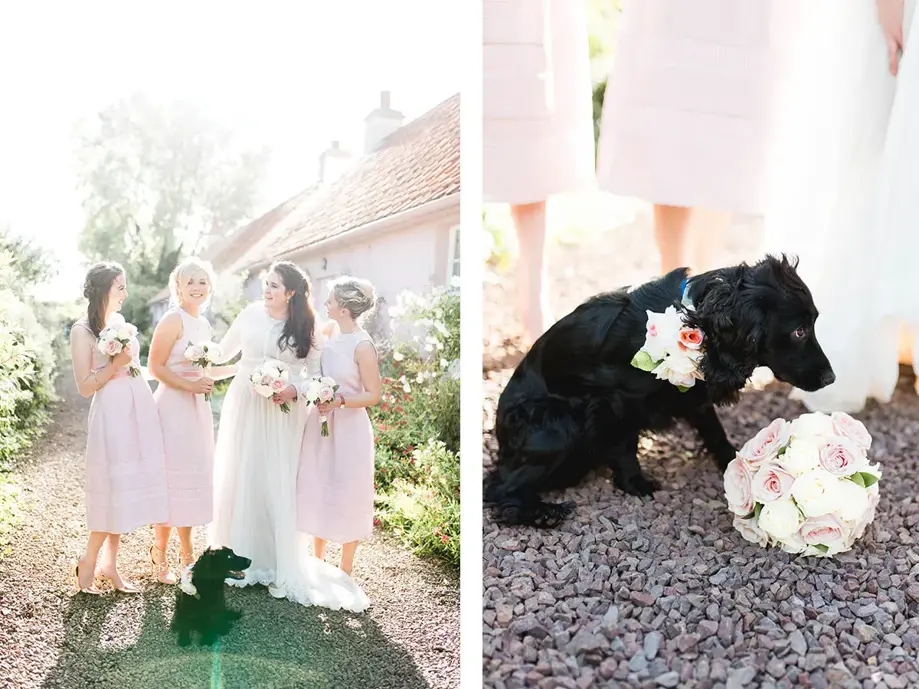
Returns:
(685,299)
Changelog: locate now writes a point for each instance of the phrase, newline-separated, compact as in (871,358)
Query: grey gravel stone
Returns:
(652,644)
(668,679)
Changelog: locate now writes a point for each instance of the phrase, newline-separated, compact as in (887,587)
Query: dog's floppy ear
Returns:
(205,567)
(728,312)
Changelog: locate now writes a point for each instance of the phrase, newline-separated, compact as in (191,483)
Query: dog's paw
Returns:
(638,484)
(552,514)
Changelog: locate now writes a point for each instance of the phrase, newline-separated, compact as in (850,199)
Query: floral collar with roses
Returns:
(672,350)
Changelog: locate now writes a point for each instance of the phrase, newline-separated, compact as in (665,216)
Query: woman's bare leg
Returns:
(318,547)
(87,563)
(671,227)
(186,549)
(532,297)
(347,556)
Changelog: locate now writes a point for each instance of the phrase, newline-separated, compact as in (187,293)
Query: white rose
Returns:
(812,425)
(793,544)
(750,531)
(853,501)
(780,519)
(801,456)
(663,330)
(678,369)
(816,492)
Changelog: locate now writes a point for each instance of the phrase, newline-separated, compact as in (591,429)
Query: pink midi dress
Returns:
(537,127)
(125,463)
(687,114)
(188,433)
(335,492)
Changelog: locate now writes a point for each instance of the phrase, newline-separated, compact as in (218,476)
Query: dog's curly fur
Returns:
(207,613)
(575,403)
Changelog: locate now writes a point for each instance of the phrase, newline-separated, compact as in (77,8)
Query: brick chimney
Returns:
(380,123)
(333,163)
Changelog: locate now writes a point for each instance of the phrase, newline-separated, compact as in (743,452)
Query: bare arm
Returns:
(81,356)
(167,333)
(366,357)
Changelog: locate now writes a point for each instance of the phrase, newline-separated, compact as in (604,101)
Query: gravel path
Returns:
(662,592)
(50,637)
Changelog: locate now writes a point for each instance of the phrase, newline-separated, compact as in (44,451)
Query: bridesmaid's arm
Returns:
(81,356)
(221,372)
(369,366)
(166,334)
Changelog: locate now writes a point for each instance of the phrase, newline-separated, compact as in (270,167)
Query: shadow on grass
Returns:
(124,641)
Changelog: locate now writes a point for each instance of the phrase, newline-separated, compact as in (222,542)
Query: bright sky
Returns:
(294,75)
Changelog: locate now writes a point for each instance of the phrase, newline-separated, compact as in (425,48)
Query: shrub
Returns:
(26,350)
(424,512)
(417,424)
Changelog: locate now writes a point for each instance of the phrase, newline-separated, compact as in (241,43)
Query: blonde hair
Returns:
(183,273)
(356,295)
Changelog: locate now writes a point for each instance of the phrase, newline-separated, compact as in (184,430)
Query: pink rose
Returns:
(850,428)
(771,482)
(841,456)
(326,393)
(278,385)
(267,380)
(113,347)
(690,338)
(738,488)
(765,445)
(825,530)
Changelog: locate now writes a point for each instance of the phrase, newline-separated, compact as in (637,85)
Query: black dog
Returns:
(576,403)
(206,611)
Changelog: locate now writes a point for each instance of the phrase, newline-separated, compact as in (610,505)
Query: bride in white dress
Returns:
(258,450)
(846,166)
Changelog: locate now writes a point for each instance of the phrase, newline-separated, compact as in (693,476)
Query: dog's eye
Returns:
(799,334)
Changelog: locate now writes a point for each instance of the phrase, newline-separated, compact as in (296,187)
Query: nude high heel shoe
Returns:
(160,569)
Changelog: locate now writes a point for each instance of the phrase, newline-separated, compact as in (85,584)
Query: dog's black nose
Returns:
(828,377)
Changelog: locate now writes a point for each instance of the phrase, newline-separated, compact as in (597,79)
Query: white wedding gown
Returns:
(846,165)
(255,475)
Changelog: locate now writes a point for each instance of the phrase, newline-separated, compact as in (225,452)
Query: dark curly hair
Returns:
(298,330)
(96,289)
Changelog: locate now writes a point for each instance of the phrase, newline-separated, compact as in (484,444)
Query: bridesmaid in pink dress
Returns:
(537,129)
(125,466)
(188,424)
(335,480)
(687,117)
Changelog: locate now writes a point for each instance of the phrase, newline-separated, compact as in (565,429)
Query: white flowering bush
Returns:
(420,406)
(806,486)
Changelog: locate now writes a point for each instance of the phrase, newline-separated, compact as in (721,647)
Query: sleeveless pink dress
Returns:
(125,466)
(335,492)
(188,434)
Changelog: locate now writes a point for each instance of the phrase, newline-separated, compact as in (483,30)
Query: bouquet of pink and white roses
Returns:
(204,355)
(320,391)
(270,378)
(672,350)
(805,486)
(114,338)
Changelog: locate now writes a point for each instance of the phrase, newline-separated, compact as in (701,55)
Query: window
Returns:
(453,254)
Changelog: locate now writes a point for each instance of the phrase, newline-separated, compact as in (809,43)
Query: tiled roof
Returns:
(413,166)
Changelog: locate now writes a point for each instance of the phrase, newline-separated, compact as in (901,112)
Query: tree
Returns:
(28,265)
(158,181)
